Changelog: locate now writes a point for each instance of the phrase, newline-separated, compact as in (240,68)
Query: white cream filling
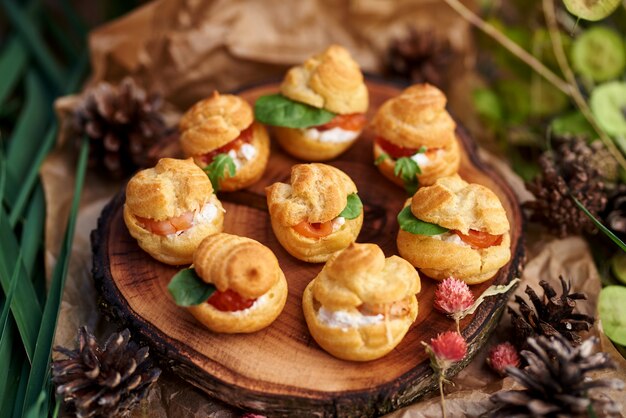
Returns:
(202,216)
(334,135)
(242,155)
(258,302)
(451,237)
(338,222)
(344,319)
(424,160)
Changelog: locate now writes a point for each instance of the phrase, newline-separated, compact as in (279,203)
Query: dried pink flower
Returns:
(453,296)
(449,346)
(251,415)
(444,350)
(501,356)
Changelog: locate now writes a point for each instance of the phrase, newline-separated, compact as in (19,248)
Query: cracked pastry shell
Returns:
(247,267)
(171,188)
(317,193)
(418,117)
(457,205)
(214,122)
(361,274)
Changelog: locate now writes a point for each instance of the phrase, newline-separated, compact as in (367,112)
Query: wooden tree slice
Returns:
(281,370)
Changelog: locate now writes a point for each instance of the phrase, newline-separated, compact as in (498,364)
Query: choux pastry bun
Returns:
(317,214)
(457,229)
(251,287)
(361,304)
(170,209)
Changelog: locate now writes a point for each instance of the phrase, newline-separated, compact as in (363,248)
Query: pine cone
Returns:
(420,57)
(563,172)
(553,315)
(556,382)
(103,382)
(122,122)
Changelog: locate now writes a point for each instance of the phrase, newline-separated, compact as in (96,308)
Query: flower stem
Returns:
(561,58)
(443,399)
(511,46)
(458,324)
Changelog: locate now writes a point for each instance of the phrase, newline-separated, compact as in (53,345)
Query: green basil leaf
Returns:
(409,223)
(278,110)
(188,289)
(354,207)
(217,169)
(382,157)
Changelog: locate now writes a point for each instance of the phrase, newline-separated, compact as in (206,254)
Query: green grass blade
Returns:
(29,128)
(41,358)
(77,24)
(606,231)
(61,38)
(29,33)
(18,406)
(32,230)
(25,306)
(13,61)
(14,367)
(38,410)
(30,179)
(6,336)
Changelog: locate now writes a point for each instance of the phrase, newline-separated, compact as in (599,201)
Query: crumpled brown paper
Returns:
(187,48)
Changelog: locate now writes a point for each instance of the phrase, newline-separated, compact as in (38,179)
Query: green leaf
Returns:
(41,358)
(33,229)
(25,306)
(354,207)
(409,223)
(599,54)
(188,289)
(408,169)
(573,123)
(13,61)
(382,157)
(592,10)
(29,129)
(31,37)
(612,310)
(217,169)
(618,266)
(38,410)
(599,225)
(278,110)
(6,337)
(608,102)
(18,406)
(487,104)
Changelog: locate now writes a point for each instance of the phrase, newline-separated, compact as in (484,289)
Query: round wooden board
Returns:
(280,370)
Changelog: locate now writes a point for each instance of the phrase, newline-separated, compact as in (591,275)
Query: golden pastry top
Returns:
(317,193)
(238,263)
(214,122)
(167,190)
(361,274)
(331,80)
(455,204)
(417,117)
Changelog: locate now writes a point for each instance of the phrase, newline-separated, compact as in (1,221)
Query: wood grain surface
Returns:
(281,371)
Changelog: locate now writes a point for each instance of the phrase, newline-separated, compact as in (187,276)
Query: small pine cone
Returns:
(123,123)
(552,315)
(556,382)
(420,57)
(107,381)
(565,173)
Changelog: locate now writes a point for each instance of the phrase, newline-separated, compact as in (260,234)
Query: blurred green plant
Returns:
(41,59)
